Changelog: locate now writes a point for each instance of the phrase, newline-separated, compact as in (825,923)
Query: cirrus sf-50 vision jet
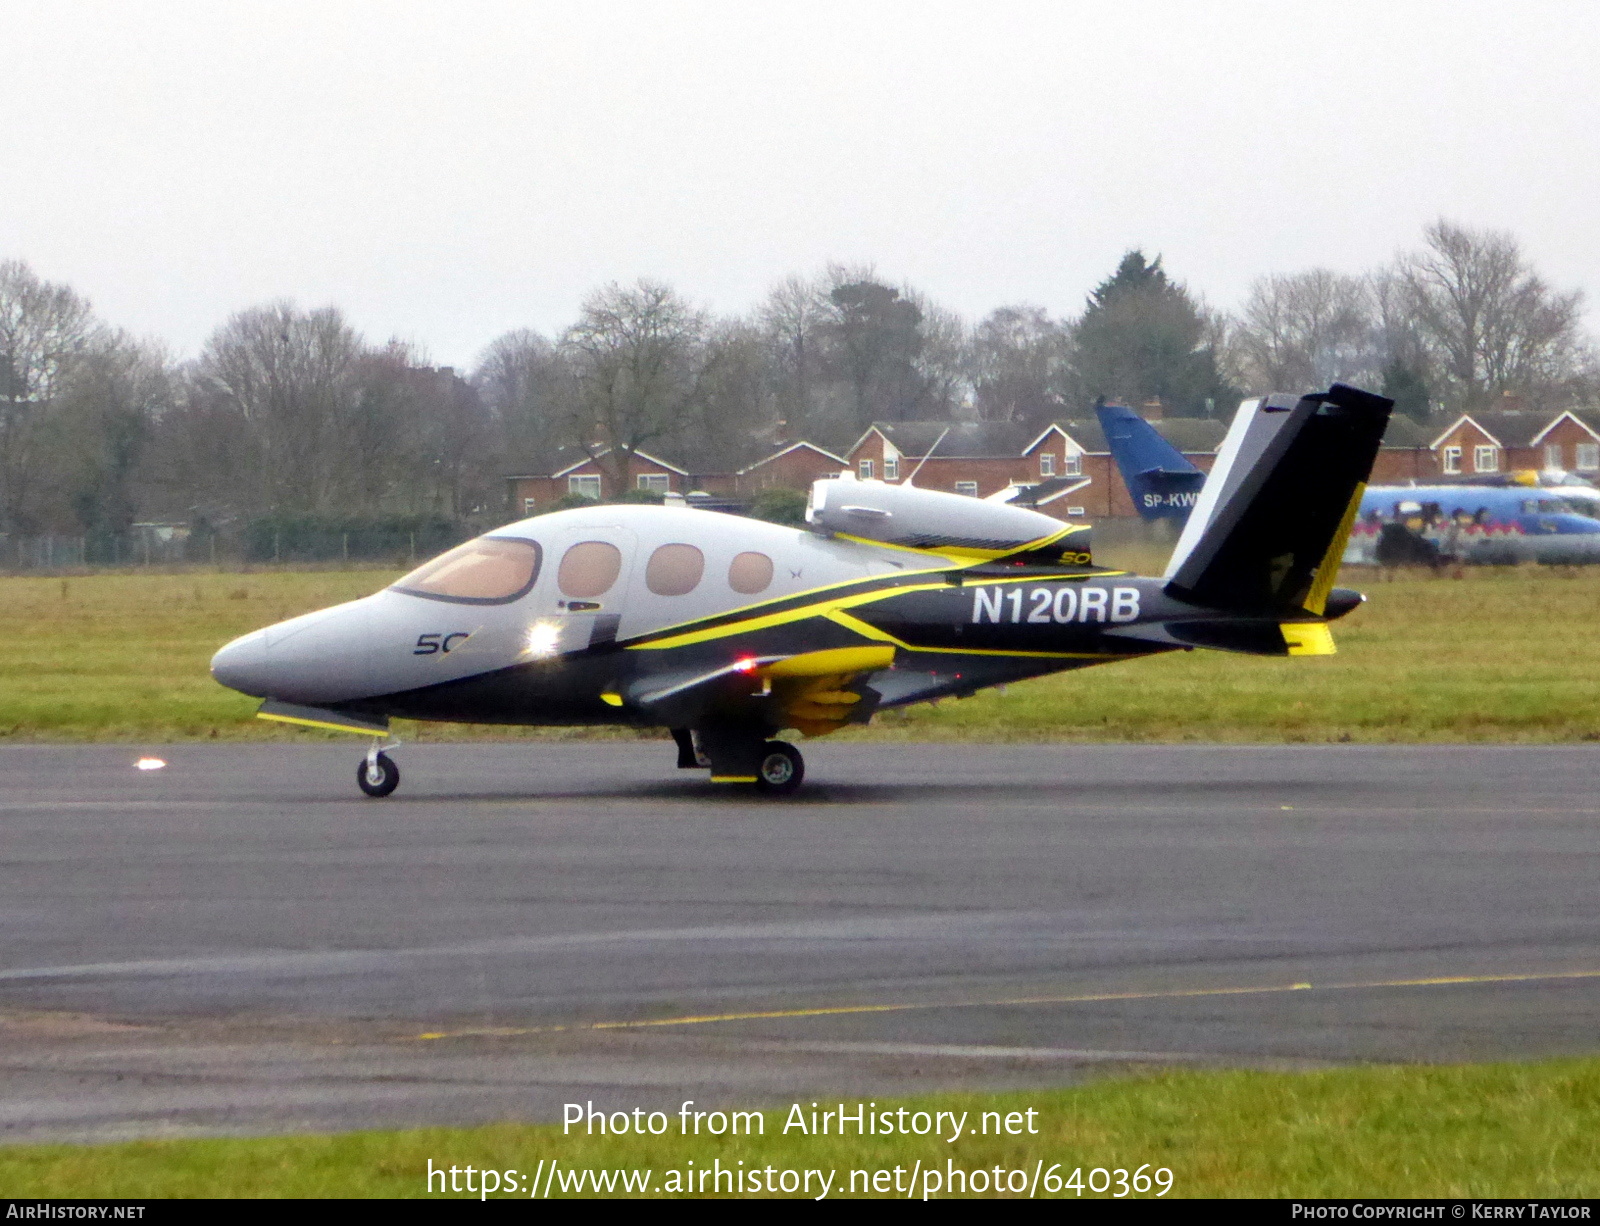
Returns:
(728,631)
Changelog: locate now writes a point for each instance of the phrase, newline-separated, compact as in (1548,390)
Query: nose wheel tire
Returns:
(379,777)
(781,770)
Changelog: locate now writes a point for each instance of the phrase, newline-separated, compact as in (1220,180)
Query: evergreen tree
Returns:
(1143,337)
(876,338)
(1407,388)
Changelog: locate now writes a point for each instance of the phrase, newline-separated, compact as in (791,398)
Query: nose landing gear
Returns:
(377,775)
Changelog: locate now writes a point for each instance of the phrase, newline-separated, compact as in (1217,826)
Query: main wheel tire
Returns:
(781,770)
(381,782)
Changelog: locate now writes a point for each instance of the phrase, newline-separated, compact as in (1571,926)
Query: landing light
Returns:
(149,764)
(543,640)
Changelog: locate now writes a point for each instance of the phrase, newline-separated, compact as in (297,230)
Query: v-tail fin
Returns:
(1268,531)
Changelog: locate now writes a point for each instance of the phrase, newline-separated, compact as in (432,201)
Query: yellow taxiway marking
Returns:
(1088,999)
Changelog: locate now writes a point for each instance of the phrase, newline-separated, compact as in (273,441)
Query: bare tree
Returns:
(45,330)
(290,379)
(637,355)
(1493,324)
(388,435)
(101,421)
(737,417)
(943,360)
(792,320)
(1020,360)
(522,382)
(457,439)
(1301,331)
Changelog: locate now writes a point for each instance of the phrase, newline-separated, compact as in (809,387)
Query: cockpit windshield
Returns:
(489,570)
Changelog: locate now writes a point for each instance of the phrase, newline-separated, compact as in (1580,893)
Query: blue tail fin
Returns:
(1161,482)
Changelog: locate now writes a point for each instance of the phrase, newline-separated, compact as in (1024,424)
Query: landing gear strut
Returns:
(377,774)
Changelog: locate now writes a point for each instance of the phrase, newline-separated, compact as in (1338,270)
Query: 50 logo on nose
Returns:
(439,644)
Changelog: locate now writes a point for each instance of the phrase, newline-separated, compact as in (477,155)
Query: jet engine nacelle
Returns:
(931,519)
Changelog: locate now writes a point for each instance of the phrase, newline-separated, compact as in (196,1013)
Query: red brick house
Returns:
(794,467)
(983,458)
(1507,441)
(1073,464)
(576,472)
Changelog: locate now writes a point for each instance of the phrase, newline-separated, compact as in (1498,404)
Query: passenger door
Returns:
(588,579)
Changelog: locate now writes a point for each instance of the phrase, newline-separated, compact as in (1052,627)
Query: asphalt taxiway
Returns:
(242,943)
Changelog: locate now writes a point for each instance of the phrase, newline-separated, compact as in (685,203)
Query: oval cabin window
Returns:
(489,570)
(589,568)
(674,570)
(750,573)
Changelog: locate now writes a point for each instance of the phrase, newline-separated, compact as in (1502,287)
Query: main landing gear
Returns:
(733,755)
(377,774)
(781,770)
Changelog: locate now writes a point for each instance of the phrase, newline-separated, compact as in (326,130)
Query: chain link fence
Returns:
(281,539)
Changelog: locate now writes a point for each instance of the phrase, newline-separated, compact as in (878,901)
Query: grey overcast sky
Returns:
(445,172)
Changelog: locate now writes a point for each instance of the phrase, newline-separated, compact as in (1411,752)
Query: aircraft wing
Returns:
(814,691)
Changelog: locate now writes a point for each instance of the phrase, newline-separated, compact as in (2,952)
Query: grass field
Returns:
(1525,1130)
(1497,655)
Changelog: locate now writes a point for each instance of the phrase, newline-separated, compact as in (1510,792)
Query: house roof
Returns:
(951,440)
(1456,425)
(1509,428)
(1085,432)
(1556,421)
(1060,428)
(983,440)
(822,451)
(569,458)
(1192,433)
(1403,431)
(1512,429)
(1517,428)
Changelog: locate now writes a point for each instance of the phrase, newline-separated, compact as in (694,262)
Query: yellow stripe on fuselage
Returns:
(872,632)
(970,553)
(677,631)
(824,608)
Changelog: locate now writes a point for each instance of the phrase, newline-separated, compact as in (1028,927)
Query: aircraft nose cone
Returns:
(316,658)
(242,665)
